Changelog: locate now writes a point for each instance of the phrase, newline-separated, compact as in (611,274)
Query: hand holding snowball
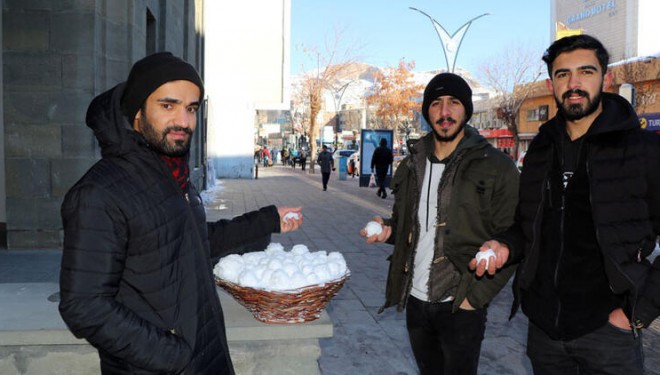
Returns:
(290,218)
(376,230)
(492,256)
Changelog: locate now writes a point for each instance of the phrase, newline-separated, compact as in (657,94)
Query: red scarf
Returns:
(178,166)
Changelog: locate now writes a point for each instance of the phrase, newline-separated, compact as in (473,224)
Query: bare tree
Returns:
(329,65)
(510,75)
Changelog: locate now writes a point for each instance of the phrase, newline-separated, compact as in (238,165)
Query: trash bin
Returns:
(343,168)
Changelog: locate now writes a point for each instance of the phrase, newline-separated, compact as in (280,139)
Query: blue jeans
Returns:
(444,342)
(609,350)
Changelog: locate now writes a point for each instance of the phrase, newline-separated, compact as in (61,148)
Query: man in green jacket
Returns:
(452,192)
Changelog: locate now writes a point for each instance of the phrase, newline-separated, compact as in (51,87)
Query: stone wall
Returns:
(58,55)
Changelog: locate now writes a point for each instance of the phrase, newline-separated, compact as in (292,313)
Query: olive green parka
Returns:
(482,203)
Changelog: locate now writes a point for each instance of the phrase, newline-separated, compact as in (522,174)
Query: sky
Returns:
(382,32)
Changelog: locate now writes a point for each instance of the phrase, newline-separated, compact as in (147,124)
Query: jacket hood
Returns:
(111,127)
(617,115)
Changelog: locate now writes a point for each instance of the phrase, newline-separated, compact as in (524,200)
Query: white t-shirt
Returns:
(427,215)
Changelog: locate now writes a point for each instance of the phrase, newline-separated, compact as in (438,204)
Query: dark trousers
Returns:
(325,177)
(608,350)
(380,179)
(444,342)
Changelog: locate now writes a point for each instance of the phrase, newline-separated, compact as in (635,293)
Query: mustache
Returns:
(178,128)
(448,119)
(568,93)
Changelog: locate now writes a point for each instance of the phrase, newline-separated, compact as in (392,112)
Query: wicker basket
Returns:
(295,306)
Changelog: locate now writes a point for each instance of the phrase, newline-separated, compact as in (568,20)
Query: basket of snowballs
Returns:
(279,286)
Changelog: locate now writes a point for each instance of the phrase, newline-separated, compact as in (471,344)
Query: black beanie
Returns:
(149,74)
(447,84)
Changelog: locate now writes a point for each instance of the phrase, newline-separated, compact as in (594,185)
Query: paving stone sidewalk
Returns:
(364,341)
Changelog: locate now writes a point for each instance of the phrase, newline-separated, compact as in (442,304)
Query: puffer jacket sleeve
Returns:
(95,237)
(245,233)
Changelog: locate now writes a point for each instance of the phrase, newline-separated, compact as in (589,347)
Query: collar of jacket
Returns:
(425,145)
(617,116)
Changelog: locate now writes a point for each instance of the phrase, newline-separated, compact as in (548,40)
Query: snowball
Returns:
(312,278)
(275,263)
(281,270)
(487,255)
(334,268)
(300,250)
(230,267)
(322,271)
(297,280)
(274,246)
(290,268)
(279,280)
(373,228)
(249,278)
(291,215)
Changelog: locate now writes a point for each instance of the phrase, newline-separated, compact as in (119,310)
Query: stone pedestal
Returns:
(35,340)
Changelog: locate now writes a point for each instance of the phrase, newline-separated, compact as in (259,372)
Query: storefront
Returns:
(650,121)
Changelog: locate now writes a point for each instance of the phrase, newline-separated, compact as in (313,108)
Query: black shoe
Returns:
(378,193)
(384,195)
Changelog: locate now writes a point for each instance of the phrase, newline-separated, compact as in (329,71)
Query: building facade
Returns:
(248,55)
(627,28)
(56,56)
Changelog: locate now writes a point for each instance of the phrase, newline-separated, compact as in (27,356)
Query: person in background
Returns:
(136,276)
(452,191)
(274,153)
(382,161)
(303,158)
(588,217)
(327,164)
(265,156)
(293,156)
(285,156)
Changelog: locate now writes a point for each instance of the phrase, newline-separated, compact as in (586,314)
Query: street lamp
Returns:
(338,94)
(450,43)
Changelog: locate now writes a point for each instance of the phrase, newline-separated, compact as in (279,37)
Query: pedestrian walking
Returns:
(589,215)
(327,164)
(381,161)
(453,191)
(136,274)
(303,158)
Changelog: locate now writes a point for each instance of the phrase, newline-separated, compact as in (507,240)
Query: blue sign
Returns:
(650,121)
(369,140)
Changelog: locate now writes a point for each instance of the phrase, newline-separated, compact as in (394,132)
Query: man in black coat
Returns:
(587,219)
(136,278)
(382,160)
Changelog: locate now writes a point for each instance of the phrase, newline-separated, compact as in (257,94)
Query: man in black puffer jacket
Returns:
(587,218)
(136,279)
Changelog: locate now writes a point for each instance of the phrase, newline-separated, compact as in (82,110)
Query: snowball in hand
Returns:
(373,228)
(481,255)
(291,215)
(280,270)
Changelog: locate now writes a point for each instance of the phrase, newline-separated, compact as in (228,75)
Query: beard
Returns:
(447,138)
(574,112)
(159,142)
